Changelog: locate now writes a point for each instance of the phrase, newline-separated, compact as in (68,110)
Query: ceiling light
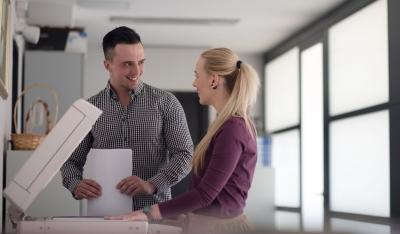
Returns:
(177,21)
(104,4)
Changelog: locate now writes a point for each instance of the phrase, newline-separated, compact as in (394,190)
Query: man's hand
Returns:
(134,185)
(87,189)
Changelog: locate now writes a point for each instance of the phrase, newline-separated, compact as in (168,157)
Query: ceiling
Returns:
(261,23)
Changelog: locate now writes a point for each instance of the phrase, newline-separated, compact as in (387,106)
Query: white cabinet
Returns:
(260,204)
(54,200)
(63,71)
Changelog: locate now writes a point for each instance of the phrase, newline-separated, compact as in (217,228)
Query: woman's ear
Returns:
(214,81)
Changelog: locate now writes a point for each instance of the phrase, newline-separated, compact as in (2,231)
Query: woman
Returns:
(224,160)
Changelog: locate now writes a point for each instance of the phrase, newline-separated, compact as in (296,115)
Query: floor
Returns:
(295,222)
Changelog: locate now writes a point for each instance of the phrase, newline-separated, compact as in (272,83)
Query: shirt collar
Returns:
(132,92)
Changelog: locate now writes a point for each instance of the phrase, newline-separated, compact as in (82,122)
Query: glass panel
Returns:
(358,60)
(357,227)
(285,152)
(312,137)
(287,221)
(282,91)
(359,165)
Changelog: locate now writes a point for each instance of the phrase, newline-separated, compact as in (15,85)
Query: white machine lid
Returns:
(50,155)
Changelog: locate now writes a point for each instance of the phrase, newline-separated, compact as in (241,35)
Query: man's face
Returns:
(126,65)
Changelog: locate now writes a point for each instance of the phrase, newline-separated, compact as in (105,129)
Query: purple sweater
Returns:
(221,188)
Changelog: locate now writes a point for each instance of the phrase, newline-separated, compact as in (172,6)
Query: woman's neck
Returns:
(220,101)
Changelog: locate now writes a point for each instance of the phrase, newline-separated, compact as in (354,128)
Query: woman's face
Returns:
(202,83)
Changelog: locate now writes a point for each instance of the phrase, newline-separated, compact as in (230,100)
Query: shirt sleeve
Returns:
(179,145)
(225,156)
(72,169)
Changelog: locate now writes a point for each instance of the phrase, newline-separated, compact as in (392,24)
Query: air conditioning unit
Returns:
(72,40)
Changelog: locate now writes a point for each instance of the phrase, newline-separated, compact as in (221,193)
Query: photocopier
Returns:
(43,165)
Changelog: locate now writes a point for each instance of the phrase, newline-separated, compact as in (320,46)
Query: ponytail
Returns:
(242,82)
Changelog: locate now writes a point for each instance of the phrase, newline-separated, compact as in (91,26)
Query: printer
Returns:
(43,165)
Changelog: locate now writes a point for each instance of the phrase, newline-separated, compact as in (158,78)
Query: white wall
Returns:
(5,114)
(165,68)
(95,75)
(5,110)
(169,69)
(5,131)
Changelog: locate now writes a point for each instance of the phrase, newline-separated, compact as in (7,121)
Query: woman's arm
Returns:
(225,155)
(228,147)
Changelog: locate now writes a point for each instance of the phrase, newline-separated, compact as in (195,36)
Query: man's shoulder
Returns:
(157,92)
(98,98)
(164,99)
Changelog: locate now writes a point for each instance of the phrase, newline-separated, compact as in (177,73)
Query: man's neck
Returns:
(123,94)
(124,100)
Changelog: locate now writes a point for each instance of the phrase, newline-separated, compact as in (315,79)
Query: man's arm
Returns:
(179,144)
(72,169)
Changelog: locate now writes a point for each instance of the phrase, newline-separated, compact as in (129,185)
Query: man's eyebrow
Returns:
(131,61)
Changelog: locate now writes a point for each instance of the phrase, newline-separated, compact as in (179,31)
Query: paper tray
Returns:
(80,226)
(89,225)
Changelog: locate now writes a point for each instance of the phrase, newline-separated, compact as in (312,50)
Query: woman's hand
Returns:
(134,216)
(139,215)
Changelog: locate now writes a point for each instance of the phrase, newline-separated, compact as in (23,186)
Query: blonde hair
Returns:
(242,83)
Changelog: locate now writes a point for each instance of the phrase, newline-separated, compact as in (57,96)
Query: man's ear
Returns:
(106,64)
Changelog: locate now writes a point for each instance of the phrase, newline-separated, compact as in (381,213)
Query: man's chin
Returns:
(133,83)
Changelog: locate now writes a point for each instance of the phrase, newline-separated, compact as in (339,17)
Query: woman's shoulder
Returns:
(235,125)
(235,131)
(235,121)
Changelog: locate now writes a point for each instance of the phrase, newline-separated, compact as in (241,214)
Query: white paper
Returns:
(108,167)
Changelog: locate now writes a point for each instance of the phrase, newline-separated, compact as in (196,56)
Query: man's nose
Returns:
(135,68)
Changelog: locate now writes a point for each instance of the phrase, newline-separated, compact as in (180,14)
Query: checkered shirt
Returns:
(153,125)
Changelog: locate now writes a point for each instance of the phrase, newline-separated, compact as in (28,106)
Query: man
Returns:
(145,119)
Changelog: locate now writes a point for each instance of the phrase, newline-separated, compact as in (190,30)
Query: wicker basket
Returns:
(27,140)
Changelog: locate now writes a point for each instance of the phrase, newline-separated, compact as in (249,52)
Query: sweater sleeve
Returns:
(225,155)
